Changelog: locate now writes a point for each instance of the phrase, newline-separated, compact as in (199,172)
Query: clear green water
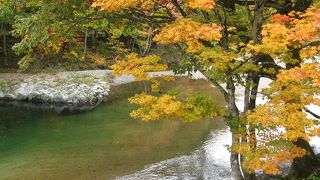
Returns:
(101,144)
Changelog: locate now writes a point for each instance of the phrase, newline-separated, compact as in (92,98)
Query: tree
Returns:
(233,50)
(6,16)
(293,39)
(49,33)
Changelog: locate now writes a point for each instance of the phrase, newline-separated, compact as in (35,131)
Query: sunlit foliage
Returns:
(139,67)
(119,5)
(269,154)
(189,32)
(296,30)
(206,5)
(195,107)
(116,5)
(283,119)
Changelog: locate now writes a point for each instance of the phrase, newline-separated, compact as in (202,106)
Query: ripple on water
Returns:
(210,161)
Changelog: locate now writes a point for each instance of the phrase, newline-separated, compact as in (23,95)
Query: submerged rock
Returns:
(79,90)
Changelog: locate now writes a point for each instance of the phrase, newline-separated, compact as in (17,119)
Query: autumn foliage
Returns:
(279,123)
(232,43)
(206,5)
(189,32)
(195,107)
(285,32)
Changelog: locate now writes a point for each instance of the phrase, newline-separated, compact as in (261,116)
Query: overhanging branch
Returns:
(312,113)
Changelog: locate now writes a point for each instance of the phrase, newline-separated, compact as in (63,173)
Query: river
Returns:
(105,143)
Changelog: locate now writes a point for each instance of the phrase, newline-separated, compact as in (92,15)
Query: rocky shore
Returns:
(74,89)
(78,88)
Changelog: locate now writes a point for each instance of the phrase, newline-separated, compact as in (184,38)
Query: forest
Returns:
(235,44)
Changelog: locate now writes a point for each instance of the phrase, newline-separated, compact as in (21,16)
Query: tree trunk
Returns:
(232,107)
(4,44)
(85,44)
(247,91)
(233,116)
(254,91)
(149,41)
(257,21)
(235,163)
(253,79)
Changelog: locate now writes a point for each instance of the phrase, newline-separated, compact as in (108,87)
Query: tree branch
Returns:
(179,8)
(217,85)
(312,113)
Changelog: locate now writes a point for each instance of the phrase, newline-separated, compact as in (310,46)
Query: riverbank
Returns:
(76,89)
(73,89)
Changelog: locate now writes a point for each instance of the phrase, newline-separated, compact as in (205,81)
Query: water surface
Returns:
(107,144)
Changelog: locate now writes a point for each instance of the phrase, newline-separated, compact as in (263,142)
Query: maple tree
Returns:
(290,95)
(214,45)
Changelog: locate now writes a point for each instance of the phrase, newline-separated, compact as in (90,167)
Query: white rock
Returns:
(77,90)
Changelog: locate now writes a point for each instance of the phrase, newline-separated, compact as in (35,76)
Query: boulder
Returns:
(78,90)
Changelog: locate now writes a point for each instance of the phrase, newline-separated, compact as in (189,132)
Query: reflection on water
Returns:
(210,161)
(106,143)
